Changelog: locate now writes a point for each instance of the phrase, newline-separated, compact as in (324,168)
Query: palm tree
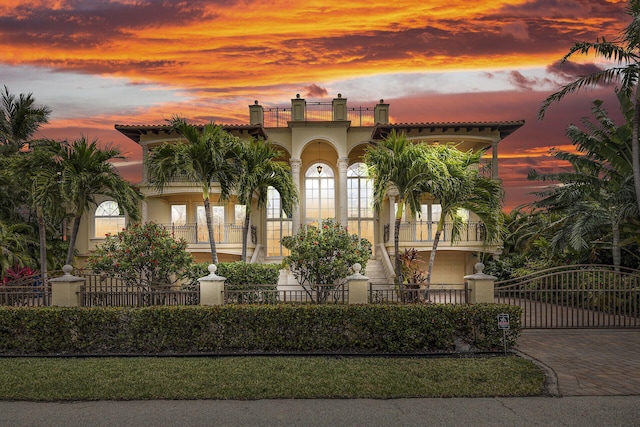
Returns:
(19,120)
(207,157)
(14,241)
(398,166)
(597,194)
(625,51)
(86,172)
(462,187)
(39,172)
(261,170)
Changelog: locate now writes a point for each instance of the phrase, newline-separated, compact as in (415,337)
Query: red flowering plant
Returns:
(325,255)
(142,255)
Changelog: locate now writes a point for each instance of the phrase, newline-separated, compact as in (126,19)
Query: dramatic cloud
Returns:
(100,62)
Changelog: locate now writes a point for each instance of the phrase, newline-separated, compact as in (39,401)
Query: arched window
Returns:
(360,202)
(320,194)
(108,219)
(278,225)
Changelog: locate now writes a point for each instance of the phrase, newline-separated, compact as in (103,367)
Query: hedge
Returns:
(253,329)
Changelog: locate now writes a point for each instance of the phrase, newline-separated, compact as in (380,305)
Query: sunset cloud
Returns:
(101,62)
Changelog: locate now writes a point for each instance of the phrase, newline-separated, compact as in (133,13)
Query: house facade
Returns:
(324,144)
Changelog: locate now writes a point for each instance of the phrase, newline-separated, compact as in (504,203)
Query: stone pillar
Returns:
(480,286)
(381,113)
(343,164)
(494,160)
(144,211)
(296,165)
(339,105)
(298,109)
(256,114)
(212,288)
(65,290)
(358,286)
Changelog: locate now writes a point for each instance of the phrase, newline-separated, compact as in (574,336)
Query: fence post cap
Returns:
(67,269)
(212,274)
(356,275)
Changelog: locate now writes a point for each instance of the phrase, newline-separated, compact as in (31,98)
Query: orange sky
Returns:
(101,62)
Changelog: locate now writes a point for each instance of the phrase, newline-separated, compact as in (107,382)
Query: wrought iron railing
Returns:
(575,296)
(425,231)
(197,233)
(318,111)
(411,293)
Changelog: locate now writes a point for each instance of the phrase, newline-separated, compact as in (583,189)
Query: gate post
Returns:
(358,285)
(480,285)
(212,287)
(65,290)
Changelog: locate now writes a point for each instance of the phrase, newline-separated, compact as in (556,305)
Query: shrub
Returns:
(142,254)
(402,329)
(325,255)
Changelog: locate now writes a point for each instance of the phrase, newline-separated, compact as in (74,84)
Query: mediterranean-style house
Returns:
(324,143)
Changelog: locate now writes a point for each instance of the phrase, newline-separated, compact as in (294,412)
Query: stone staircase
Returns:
(376,273)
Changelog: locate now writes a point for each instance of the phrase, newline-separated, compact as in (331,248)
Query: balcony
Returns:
(424,232)
(197,233)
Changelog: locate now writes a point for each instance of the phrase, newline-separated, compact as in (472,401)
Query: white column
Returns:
(494,160)
(343,164)
(144,211)
(296,164)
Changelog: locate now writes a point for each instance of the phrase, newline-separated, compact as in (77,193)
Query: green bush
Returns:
(240,273)
(249,328)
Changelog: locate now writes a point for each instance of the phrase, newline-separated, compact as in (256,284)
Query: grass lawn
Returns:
(52,379)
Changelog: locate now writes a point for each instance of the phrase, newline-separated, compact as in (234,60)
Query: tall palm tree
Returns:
(39,172)
(20,118)
(462,187)
(207,157)
(399,167)
(596,198)
(625,51)
(86,172)
(261,170)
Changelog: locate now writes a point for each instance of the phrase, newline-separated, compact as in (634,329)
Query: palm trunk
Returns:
(42,235)
(615,246)
(635,146)
(434,249)
(396,246)
(212,242)
(245,234)
(72,239)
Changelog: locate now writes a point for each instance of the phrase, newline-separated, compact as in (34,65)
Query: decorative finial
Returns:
(339,95)
(381,101)
(255,102)
(212,269)
(479,267)
(298,95)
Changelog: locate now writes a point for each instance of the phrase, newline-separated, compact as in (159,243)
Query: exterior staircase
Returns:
(377,274)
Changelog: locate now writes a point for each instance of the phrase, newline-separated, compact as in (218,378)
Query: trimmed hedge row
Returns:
(278,328)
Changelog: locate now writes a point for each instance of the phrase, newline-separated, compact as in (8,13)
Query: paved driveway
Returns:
(587,362)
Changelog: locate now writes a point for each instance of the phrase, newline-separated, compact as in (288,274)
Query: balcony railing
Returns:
(318,111)
(425,231)
(197,233)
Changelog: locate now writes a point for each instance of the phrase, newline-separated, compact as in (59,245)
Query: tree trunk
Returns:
(615,246)
(72,239)
(635,146)
(396,246)
(212,242)
(245,234)
(434,248)
(42,235)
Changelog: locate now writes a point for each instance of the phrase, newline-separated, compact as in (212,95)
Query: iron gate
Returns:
(576,296)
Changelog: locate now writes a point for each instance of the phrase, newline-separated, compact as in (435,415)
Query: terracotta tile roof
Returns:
(134,132)
(505,128)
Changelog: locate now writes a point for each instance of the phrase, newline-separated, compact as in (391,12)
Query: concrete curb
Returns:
(550,377)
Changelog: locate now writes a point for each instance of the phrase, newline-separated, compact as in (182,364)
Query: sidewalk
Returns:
(589,362)
(583,411)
